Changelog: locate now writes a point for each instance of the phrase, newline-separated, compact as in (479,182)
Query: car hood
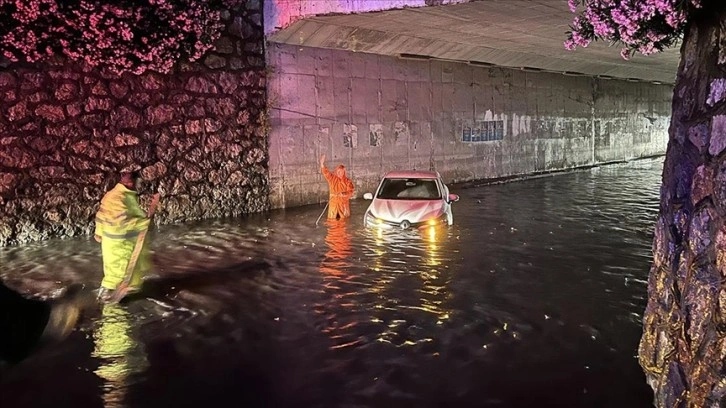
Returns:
(413,211)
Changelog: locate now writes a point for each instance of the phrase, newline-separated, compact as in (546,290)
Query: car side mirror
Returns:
(453,198)
(368,196)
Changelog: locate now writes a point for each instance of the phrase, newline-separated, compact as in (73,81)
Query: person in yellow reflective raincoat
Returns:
(119,221)
(341,189)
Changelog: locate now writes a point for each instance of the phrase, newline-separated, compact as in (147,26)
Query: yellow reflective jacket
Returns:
(120,215)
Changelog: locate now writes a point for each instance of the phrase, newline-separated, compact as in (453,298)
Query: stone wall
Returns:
(198,135)
(377,113)
(683,346)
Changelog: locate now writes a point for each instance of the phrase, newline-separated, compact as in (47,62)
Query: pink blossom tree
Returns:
(644,26)
(683,346)
(120,35)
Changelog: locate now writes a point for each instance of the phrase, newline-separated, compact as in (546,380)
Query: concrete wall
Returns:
(198,135)
(376,113)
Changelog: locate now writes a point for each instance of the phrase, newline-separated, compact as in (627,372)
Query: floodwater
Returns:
(533,298)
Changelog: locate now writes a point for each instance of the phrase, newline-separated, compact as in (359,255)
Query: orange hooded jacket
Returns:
(341,189)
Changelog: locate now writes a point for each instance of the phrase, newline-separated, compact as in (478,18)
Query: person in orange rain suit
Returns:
(341,189)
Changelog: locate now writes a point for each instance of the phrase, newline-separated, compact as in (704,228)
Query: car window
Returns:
(409,189)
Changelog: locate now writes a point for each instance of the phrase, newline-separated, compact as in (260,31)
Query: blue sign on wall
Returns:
(466,134)
(476,135)
(486,131)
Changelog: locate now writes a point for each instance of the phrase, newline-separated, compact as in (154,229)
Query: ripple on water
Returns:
(533,295)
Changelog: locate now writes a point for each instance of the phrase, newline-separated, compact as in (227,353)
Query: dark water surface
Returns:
(533,298)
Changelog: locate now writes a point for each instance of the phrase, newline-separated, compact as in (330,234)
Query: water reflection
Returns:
(338,241)
(434,276)
(394,291)
(120,355)
(410,277)
(538,287)
(339,284)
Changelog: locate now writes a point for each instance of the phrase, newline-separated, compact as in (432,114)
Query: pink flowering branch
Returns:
(120,35)
(643,26)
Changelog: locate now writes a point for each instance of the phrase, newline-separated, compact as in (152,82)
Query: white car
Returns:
(406,199)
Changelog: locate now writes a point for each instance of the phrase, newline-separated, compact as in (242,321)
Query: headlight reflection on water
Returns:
(397,256)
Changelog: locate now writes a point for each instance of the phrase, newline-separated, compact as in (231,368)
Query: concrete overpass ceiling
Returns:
(509,33)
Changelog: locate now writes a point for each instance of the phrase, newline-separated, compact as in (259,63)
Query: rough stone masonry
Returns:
(198,136)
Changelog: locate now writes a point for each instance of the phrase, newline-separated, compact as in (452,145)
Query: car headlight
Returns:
(440,220)
(370,219)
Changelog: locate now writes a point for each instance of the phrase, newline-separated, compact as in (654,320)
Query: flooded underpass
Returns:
(533,298)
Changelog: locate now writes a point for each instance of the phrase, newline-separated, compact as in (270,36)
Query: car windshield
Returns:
(409,189)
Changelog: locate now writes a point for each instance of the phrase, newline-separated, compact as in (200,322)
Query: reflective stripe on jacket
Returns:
(120,215)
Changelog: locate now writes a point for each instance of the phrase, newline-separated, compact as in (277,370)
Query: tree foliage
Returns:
(643,26)
(121,35)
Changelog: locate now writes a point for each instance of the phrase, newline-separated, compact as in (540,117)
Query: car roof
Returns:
(411,174)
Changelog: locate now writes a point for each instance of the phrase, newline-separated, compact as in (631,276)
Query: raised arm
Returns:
(326,173)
